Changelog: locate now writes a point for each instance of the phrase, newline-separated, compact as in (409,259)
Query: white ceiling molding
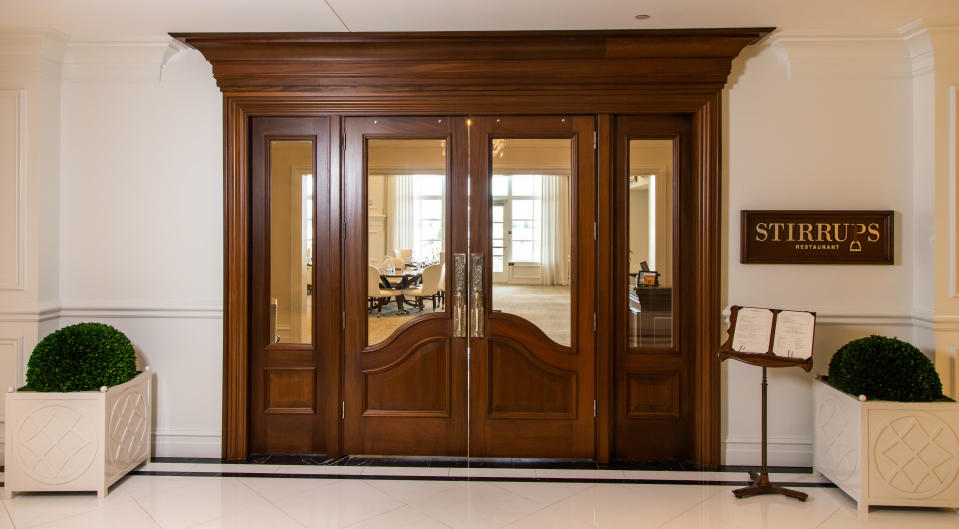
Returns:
(933,45)
(32,51)
(811,56)
(914,49)
(140,60)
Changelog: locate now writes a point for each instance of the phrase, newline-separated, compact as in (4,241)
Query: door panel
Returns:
(405,373)
(288,414)
(654,340)
(532,378)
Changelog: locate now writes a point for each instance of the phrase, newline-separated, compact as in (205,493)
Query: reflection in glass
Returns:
(291,240)
(650,235)
(406,219)
(531,232)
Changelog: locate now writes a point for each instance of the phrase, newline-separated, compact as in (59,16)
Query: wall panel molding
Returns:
(865,317)
(13,149)
(109,310)
(140,309)
(954,190)
(186,443)
(782,451)
(11,363)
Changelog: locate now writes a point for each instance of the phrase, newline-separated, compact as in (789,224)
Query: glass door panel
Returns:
(291,248)
(406,219)
(650,235)
(531,232)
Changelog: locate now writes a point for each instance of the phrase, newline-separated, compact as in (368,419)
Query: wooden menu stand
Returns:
(760,481)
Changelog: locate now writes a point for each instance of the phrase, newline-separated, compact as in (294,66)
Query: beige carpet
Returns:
(546,307)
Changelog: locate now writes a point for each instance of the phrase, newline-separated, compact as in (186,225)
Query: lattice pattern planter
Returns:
(887,453)
(80,441)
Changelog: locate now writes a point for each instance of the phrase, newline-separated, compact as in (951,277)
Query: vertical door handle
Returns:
(459,295)
(274,337)
(477,297)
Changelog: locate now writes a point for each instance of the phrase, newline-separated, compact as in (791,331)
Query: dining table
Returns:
(400,280)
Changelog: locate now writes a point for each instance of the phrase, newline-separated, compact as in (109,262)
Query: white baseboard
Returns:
(173,443)
(779,452)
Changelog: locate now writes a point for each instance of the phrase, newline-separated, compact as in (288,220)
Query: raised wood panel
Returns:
(12,198)
(652,395)
(523,387)
(417,385)
(289,390)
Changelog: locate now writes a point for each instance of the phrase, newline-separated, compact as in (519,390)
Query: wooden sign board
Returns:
(816,237)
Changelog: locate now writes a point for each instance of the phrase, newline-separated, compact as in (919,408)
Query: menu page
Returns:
(753,327)
(794,334)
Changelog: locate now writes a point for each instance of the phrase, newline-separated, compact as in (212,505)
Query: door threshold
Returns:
(467,462)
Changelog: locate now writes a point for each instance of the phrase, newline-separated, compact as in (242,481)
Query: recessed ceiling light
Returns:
(642,17)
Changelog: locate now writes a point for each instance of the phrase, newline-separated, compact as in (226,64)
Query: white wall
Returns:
(142,228)
(816,124)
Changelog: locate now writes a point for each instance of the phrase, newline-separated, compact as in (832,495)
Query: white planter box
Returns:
(81,441)
(887,453)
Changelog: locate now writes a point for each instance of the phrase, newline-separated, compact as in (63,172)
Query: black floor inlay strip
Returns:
(463,462)
(646,481)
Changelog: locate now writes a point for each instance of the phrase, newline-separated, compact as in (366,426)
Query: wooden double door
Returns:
(444,286)
(500,368)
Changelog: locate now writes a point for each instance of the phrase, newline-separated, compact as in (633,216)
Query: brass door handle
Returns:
(477,298)
(459,295)
(274,337)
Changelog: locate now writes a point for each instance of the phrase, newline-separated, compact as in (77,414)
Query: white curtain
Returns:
(555,231)
(399,214)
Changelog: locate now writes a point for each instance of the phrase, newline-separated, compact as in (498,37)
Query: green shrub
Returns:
(884,368)
(81,357)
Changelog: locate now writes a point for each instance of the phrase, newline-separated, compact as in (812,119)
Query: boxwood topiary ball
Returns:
(81,357)
(884,369)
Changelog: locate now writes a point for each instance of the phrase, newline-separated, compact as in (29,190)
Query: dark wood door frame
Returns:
(598,73)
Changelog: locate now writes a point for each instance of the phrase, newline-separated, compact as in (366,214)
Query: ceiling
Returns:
(117,19)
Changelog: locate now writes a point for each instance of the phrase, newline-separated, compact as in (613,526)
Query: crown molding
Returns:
(34,51)
(134,60)
(811,55)
(918,48)
(933,44)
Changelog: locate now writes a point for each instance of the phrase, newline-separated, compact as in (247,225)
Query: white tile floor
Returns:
(411,502)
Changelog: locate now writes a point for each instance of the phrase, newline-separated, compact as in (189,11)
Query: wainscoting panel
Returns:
(12,204)
(11,373)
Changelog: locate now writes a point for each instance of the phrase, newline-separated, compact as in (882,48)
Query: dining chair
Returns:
(376,294)
(406,254)
(441,285)
(427,289)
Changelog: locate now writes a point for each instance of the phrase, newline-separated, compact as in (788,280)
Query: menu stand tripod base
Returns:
(760,485)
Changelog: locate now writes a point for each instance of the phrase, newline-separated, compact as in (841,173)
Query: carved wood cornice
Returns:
(478,65)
